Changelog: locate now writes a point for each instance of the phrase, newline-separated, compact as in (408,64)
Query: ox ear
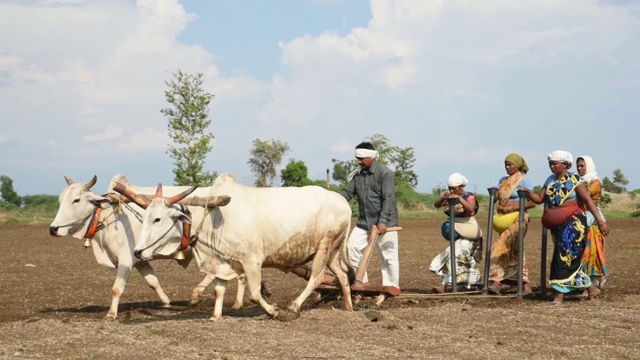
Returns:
(179,215)
(97,199)
(159,190)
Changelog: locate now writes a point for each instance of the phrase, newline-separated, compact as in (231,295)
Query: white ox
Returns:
(112,228)
(281,228)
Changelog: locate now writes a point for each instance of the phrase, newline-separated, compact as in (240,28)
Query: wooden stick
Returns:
(366,254)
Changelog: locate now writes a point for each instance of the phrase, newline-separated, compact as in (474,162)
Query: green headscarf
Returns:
(518,161)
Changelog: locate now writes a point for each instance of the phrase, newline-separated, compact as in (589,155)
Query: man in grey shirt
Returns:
(374,185)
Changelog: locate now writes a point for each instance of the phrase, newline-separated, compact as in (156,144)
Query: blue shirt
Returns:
(524,182)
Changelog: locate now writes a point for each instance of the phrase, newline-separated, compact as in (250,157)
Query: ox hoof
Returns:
(166,306)
(237,306)
(109,318)
(196,301)
(213,318)
(288,315)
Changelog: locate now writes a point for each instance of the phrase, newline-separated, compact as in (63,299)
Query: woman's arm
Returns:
(535,198)
(442,200)
(469,205)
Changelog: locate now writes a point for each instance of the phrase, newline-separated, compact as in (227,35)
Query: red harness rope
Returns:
(93,224)
(186,236)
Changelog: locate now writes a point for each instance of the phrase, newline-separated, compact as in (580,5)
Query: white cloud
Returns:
(110,133)
(611,60)
(456,80)
(147,140)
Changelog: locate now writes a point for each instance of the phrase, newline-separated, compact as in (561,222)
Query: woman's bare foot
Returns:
(558,299)
(527,288)
(593,292)
(603,281)
(440,289)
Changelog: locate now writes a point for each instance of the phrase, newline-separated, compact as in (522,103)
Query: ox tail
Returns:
(345,264)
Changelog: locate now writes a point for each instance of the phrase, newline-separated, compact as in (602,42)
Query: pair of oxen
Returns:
(237,230)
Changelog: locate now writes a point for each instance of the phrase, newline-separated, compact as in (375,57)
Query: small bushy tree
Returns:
(9,195)
(188,118)
(616,185)
(295,174)
(265,157)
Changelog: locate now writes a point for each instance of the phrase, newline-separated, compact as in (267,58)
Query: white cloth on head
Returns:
(590,168)
(457,179)
(561,155)
(366,153)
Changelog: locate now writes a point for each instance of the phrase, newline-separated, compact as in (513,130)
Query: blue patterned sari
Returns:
(570,238)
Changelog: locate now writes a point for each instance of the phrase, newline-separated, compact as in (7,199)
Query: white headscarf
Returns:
(362,153)
(366,153)
(590,168)
(457,179)
(561,155)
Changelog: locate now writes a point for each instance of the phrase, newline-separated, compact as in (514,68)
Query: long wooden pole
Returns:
(366,254)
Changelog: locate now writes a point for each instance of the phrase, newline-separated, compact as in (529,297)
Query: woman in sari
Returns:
(593,259)
(503,268)
(467,233)
(565,193)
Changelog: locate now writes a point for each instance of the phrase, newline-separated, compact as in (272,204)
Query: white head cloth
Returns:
(366,153)
(590,167)
(362,153)
(457,179)
(561,155)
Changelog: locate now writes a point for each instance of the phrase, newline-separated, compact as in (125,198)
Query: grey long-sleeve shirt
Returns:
(375,189)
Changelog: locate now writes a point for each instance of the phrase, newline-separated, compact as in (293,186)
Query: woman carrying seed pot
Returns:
(468,236)
(565,193)
(503,267)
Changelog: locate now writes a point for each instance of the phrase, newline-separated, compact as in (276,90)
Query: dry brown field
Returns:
(54,297)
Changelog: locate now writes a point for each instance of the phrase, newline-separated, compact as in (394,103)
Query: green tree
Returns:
(46,202)
(404,159)
(188,118)
(616,185)
(385,151)
(265,156)
(400,160)
(342,169)
(295,174)
(9,195)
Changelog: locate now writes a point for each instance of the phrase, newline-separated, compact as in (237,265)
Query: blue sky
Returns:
(463,83)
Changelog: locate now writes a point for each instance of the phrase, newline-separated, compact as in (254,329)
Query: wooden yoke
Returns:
(366,254)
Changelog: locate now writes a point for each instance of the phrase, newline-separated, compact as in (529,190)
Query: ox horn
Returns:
(91,182)
(129,194)
(174,199)
(68,180)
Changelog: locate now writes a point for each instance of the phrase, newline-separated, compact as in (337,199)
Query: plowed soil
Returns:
(54,297)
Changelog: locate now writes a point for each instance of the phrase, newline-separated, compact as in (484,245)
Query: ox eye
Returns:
(76,201)
(156,220)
